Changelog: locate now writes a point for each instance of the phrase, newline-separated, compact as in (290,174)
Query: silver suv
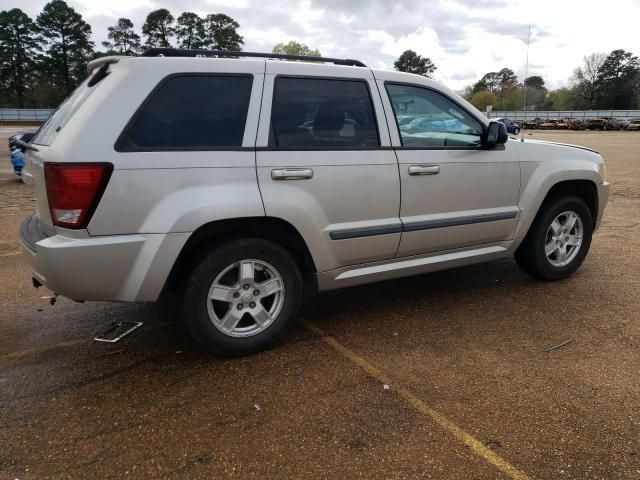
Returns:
(235,178)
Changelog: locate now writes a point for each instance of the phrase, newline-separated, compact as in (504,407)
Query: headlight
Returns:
(602,170)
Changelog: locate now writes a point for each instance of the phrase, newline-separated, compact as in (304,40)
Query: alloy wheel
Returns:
(245,298)
(563,239)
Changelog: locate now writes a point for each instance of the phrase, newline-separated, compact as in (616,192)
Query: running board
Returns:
(349,276)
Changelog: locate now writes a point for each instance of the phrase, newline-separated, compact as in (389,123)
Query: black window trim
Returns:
(121,148)
(300,148)
(448,97)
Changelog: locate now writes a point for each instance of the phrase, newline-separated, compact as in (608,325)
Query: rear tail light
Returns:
(74,191)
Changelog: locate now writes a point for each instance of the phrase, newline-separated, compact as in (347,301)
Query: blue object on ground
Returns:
(17,159)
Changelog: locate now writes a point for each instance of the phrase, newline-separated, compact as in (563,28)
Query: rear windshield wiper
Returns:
(26,146)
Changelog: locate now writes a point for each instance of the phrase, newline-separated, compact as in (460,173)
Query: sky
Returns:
(464,38)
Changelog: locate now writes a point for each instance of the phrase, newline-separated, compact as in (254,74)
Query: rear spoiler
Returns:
(99,62)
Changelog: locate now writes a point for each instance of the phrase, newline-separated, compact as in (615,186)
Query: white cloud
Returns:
(464,38)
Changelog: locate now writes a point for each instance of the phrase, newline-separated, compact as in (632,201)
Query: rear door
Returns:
(325,162)
(454,193)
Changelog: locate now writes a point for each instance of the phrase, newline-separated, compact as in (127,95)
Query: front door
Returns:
(454,193)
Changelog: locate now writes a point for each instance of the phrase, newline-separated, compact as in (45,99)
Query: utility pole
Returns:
(526,73)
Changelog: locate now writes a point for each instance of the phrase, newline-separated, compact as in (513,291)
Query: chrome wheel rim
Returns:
(564,239)
(245,298)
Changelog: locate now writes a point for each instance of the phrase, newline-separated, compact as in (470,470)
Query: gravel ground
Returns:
(461,350)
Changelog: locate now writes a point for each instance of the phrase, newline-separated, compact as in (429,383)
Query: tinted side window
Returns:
(191,112)
(310,112)
(426,118)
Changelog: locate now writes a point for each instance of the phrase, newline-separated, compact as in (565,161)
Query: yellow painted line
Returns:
(476,446)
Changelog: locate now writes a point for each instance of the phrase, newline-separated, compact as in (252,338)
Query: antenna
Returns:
(526,73)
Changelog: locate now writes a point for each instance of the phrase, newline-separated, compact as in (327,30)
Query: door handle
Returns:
(424,169)
(291,174)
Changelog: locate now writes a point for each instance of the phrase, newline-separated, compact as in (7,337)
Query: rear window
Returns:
(309,112)
(190,112)
(63,114)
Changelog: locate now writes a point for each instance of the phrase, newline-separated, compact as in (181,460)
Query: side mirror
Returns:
(496,134)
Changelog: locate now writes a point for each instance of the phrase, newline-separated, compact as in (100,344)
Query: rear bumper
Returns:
(125,268)
(603,198)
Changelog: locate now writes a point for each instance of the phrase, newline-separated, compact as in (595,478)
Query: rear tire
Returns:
(558,240)
(241,297)
(516,131)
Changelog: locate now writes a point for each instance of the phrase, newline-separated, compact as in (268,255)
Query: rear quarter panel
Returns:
(168,191)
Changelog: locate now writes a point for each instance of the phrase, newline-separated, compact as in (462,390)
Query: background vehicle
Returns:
(596,124)
(238,182)
(623,123)
(634,124)
(512,127)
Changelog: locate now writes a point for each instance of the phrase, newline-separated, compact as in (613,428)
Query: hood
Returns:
(545,142)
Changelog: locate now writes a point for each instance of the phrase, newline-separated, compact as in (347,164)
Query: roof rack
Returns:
(181,52)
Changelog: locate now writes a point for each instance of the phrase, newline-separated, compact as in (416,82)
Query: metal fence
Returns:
(41,114)
(579,114)
(25,114)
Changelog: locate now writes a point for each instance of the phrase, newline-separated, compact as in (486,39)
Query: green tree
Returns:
(560,99)
(44,94)
(535,81)
(221,33)
(20,46)
(190,31)
(411,62)
(507,80)
(482,99)
(295,48)
(497,83)
(583,81)
(467,92)
(158,28)
(511,99)
(123,38)
(69,44)
(618,82)
(489,81)
(535,94)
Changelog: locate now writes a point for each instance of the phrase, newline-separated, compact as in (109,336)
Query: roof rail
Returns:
(181,52)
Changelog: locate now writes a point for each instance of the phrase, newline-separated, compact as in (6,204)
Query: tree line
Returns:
(603,81)
(43,60)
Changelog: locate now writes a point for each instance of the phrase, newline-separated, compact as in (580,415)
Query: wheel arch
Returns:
(583,188)
(274,229)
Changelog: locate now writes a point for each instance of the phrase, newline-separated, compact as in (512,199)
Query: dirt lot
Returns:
(471,392)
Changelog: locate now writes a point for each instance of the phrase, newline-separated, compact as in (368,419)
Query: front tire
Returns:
(558,240)
(242,296)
